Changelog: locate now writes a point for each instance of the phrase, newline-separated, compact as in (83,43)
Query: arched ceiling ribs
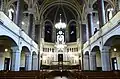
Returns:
(46,7)
(56,14)
(72,21)
(12,6)
(83,14)
(34,3)
(47,20)
(48,12)
(109,1)
(64,14)
(12,1)
(108,6)
(36,13)
(71,11)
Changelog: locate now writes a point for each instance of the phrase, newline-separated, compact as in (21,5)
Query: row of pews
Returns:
(23,74)
(97,75)
(50,74)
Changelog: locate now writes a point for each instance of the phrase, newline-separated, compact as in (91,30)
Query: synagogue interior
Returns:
(59,39)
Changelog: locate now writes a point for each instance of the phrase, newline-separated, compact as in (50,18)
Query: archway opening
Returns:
(25,59)
(34,61)
(6,43)
(95,59)
(114,51)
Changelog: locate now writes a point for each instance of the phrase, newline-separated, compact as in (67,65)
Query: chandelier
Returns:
(60,25)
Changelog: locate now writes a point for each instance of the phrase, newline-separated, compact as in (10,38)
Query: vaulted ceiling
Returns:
(50,9)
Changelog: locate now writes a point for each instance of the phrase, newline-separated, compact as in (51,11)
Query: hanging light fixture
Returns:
(60,24)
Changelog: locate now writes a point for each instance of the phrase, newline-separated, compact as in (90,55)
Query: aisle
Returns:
(59,77)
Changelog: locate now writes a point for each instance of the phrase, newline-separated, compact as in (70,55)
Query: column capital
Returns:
(15,49)
(30,11)
(105,49)
(84,22)
(90,13)
(92,53)
(35,56)
(89,10)
(27,53)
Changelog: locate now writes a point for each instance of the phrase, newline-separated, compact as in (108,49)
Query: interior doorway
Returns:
(60,57)
(114,63)
(6,63)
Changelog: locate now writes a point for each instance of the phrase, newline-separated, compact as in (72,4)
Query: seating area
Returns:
(52,74)
(22,74)
(97,75)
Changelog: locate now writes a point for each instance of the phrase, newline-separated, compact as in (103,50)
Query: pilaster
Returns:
(15,59)
(105,58)
(92,62)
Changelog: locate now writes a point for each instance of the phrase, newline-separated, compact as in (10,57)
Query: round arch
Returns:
(95,48)
(8,49)
(109,1)
(8,38)
(113,44)
(26,59)
(86,53)
(34,53)
(46,7)
(113,40)
(12,1)
(25,49)
(47,20)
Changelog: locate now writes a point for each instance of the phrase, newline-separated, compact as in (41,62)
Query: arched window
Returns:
(72,31)
(48,32)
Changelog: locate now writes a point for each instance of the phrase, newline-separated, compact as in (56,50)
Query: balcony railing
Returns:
(105,29)
(11,26)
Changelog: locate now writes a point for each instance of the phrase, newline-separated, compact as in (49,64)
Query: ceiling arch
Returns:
(44,8)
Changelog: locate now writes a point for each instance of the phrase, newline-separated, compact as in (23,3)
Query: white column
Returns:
(15,59)
(105,59)
(92,62)
(86,62)
(35,62)
(28,61)
(1,61)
